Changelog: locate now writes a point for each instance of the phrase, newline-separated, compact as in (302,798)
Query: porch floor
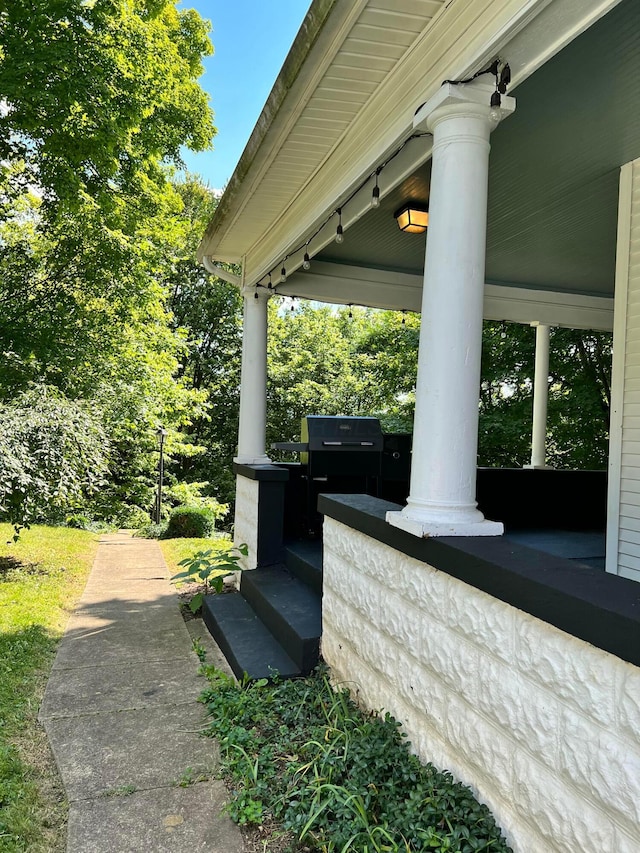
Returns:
(581,546)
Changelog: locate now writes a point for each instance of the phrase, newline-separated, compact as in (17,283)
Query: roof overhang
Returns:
(331,119)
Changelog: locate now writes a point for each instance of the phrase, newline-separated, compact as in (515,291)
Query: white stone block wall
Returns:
(545,728)
(246,519)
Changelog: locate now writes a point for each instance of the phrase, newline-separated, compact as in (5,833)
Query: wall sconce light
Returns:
(413,218)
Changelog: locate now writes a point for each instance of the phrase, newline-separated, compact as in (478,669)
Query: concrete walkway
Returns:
(122,716)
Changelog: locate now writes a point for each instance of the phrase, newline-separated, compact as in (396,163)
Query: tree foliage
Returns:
(97,99)
(209,310)
(348,361)
(97,94)
(53,456)
(579,397)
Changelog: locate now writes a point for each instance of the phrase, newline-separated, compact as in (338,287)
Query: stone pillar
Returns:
(445,434)
(253,381)
(540,398)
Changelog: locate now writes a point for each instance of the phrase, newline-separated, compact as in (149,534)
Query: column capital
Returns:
(250,291)
(469,100)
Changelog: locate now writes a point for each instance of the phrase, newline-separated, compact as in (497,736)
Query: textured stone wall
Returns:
(246,518)
(544,727)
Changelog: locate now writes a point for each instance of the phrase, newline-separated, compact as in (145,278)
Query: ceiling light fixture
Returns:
(413,218)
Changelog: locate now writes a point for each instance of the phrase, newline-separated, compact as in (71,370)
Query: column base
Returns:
(426,529)
(531,467)
(252,460)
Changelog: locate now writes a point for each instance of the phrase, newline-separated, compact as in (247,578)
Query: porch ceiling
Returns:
(554,171)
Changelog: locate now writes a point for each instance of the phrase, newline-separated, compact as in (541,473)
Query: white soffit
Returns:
(353,100)
(342,284)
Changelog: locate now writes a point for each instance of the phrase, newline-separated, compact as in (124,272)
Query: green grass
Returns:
(41,579)
(175,550)
(303,761)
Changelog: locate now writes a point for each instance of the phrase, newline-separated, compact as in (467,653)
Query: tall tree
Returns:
(97,94)
(209,310)
(97,99)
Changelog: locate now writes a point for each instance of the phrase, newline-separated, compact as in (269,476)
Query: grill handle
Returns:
(347,444)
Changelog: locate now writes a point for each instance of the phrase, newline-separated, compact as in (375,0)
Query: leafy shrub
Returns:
(190,494)
(135,518)
(191,522)
(53,455)
(77,521)
(151,530)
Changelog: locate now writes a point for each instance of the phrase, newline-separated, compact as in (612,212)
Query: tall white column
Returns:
(445,433)
(540,398)
(253,381)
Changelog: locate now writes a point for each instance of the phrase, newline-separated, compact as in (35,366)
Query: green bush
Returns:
(151,530)
(53,456)
(78,521)
(134,518)
(191,522)
(190,494)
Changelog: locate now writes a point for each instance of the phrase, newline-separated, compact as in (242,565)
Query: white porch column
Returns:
(540,398)
(445,433)
(253,381)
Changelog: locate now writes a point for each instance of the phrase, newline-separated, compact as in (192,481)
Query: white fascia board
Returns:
(517,304)
(344,285)
(462,38)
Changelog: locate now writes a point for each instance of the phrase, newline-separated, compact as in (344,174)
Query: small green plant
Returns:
(190,777)
(210,567)
(199,649)
(120,791)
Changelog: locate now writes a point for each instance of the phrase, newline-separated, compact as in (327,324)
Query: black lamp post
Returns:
(160,432)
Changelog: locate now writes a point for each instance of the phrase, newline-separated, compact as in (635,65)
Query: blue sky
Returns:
(251,39)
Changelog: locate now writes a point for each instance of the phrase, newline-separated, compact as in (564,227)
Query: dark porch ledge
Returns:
(261,472)
(600,608)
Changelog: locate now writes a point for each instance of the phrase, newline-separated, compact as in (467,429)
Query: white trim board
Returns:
(618,367)
(343,285)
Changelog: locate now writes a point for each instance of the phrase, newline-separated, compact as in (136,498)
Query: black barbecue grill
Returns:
(337,454)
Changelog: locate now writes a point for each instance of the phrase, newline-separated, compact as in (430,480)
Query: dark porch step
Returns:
(247,644)
(290,609)
(303,558)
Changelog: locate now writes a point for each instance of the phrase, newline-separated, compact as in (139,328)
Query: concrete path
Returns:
(122,716)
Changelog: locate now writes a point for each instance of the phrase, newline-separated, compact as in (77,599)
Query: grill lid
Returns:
(338,432)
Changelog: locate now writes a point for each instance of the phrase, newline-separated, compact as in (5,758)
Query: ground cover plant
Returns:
(41,578)
(299,755)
